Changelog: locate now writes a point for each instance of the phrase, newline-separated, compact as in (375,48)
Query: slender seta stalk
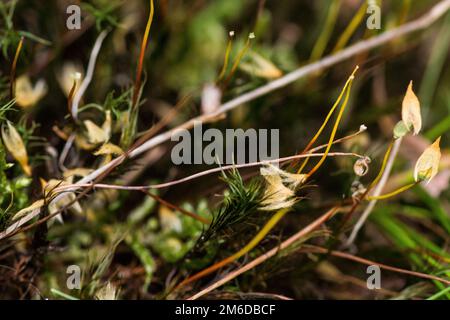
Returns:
(238,60)
(137,84)
(336,125)
(12,77)
(383,166)
(227,57)
(70,96)
(327,118)
(393,193)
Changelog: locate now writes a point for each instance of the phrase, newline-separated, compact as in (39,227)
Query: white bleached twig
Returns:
(90,72)
(207,172)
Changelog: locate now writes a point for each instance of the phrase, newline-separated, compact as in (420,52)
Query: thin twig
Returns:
(174,207)
(70,187)
(349,256)
(65,152)
(12,77)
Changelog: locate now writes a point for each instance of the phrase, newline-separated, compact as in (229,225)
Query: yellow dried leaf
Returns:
(35,206)
(83,143)
(261,67)
(108,292)
(49,186)
(427,165)
(14,143)
(106,126)
(25,94)
(291,180)
(276,195)
(109,148)
(95,134)
(77,172)
(411,110)
(59,203)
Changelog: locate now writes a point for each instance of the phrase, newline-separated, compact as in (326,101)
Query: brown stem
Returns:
(174,207)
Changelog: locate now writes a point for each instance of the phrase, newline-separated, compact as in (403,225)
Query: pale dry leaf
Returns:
(25,94)
(77,172)
(276,194)
(82,142)
(261,67)
(34,206)
(292,180)
(58,203)
(95,134)
(107,124)
(14,143)
(109,148)
(107,292)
